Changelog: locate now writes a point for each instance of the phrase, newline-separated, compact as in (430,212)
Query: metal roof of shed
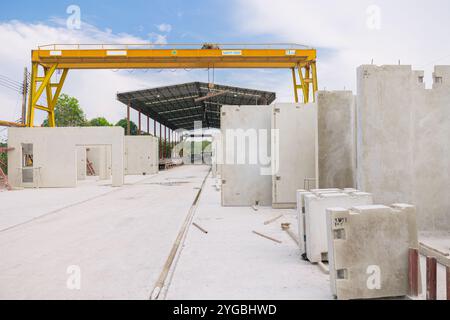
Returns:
(179,106)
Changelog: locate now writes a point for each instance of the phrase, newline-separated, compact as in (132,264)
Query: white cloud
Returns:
(157,38)
(413,32)
(164,27)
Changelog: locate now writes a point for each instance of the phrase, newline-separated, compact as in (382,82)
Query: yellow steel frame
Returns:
(38,85)
(302,62)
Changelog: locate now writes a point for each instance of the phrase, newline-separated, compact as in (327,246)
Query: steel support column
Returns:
(139,125)
(160,141)
(128,118)
(165,142)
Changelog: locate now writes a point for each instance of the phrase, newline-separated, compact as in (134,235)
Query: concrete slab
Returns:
(231,262)
(337,139)
(119,239)
(141,155)
(316,221)
(403,145)
(368,250)
(295,152)
(301,209)
(246,179)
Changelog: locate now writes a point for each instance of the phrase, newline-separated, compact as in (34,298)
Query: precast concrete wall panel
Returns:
(246,182)
(403,143)
(141,155)
(337,139)
(54,161)
(295,151)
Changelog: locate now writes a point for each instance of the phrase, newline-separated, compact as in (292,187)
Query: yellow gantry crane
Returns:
(46,60)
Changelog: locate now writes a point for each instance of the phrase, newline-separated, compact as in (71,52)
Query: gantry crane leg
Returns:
(37,87)
(307,82)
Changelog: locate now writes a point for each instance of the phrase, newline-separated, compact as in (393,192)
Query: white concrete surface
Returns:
(245,135)
(295,152)
(301,193)
(368,250)
(231,262)
(403,140)
(120,238)
(81,163)
(337,139)
(141,155)
(55,153)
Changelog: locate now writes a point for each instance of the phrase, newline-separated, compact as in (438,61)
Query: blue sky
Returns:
(191,21)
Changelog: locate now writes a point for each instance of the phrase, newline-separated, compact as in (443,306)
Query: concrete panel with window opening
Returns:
(52,159)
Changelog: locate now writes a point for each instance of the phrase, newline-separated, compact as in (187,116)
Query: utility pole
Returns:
(24,95)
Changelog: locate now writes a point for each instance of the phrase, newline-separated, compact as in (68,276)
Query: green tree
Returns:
(68,113)
(4,159)
(133,127)
(98,122)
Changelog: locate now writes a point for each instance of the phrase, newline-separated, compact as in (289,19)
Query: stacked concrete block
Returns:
(368,250)
(301,195)
(295,152)
(403,140)
(246,168)
(316,222)
(337,139)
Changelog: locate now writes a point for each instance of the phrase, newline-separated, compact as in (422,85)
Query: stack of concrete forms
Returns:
(301,207)
(141,155)
(337,142)
(316,222)
(403,140)
(53,159)
(301,193)
(246,178)
(295,152)
(368,250)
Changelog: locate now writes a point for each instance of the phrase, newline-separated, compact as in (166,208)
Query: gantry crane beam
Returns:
(59,57)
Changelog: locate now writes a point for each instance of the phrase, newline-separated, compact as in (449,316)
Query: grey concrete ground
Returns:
(231,262)
(119,237)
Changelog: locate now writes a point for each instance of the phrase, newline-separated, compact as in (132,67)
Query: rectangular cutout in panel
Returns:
(27,155)
(341,274)
(339,234)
